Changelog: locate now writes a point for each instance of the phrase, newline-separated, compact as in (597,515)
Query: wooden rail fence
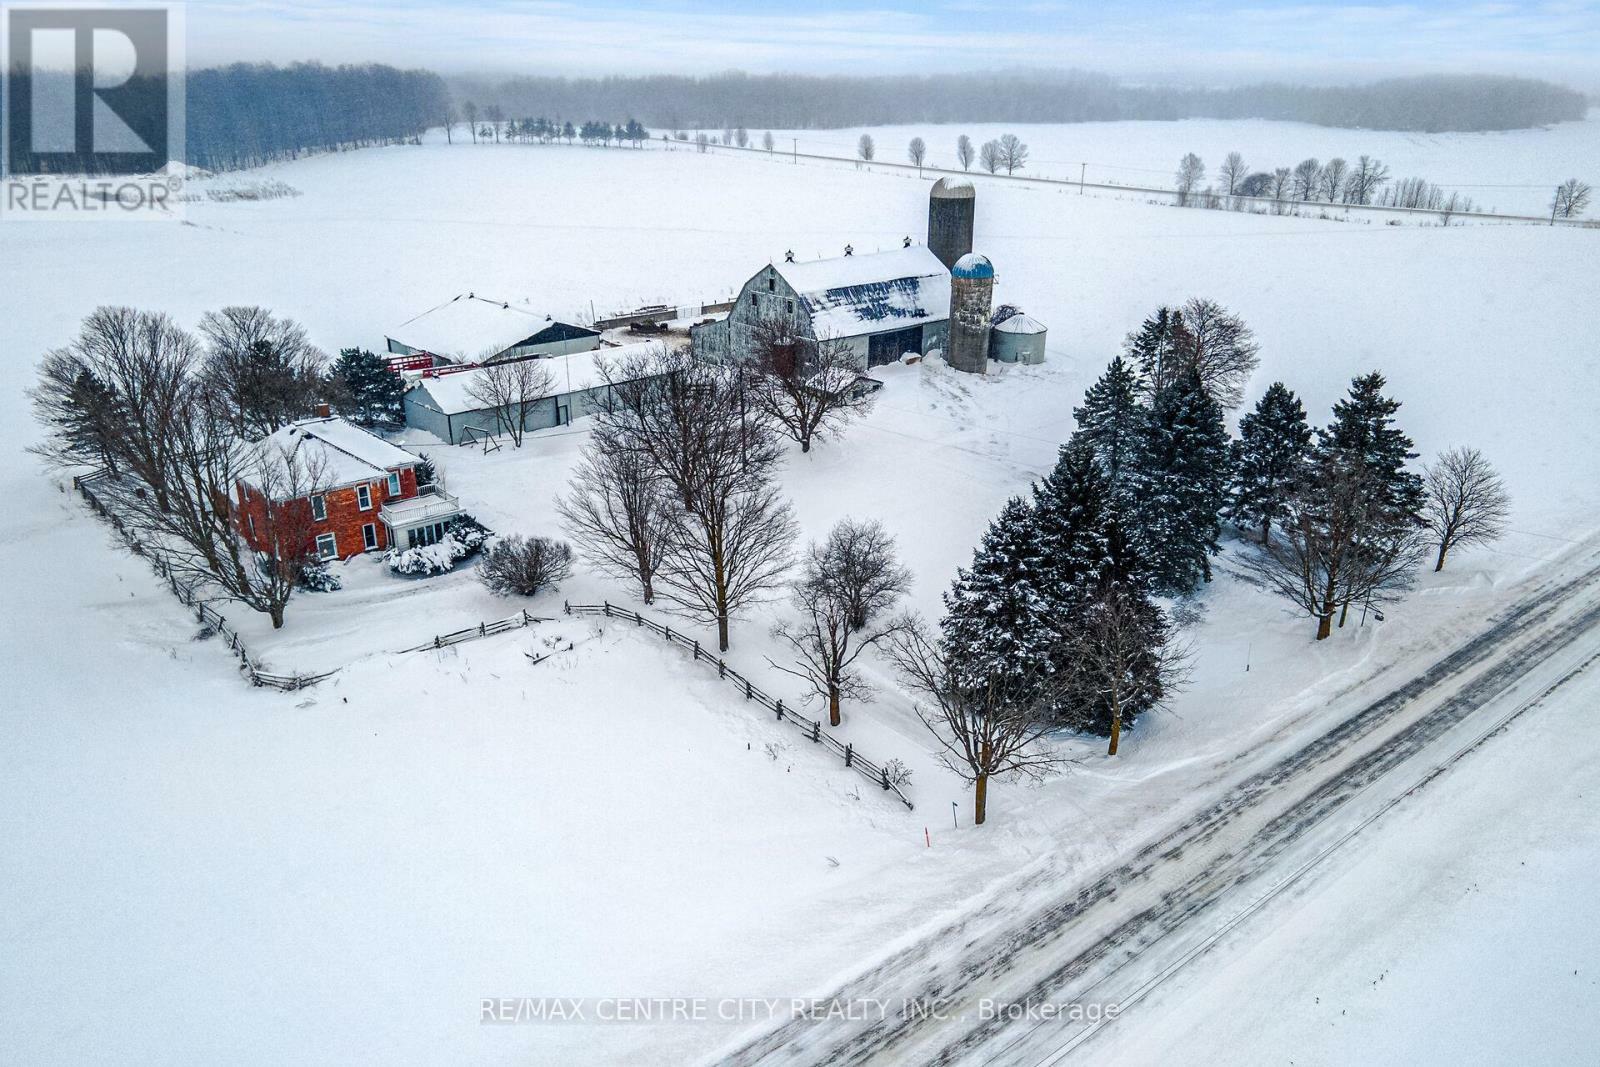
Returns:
(810,728)
(186,595)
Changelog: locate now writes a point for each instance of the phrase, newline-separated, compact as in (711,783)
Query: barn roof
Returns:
(871,293)
(341,454)
(469,327)
(573,373)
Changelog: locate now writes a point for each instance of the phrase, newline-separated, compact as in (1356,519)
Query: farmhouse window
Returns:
(327,546)
(394,483)
(788,305)
(319,508)
(772,285)
(369,536)
(364,497)
(752,300)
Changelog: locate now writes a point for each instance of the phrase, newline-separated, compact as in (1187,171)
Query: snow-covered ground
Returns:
(196,871)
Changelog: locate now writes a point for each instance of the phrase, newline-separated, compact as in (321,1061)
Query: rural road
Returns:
(1114,939)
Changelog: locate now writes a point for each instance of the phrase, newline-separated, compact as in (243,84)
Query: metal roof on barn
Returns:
(852,295)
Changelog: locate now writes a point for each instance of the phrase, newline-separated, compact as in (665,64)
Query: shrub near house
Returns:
(365,496)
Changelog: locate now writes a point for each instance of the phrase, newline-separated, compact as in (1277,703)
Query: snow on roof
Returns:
(852,295)
(954,189)
(1019,323)
(573,373)
(340,453)
(469,327)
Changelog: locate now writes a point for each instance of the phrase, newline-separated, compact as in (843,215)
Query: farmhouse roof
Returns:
(852,295)
(340,453)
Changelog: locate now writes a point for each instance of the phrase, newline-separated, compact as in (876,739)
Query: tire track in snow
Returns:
(977,954)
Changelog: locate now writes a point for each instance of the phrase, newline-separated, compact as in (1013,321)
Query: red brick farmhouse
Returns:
(368,501)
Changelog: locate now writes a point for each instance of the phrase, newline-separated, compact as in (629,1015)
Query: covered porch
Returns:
(420,520)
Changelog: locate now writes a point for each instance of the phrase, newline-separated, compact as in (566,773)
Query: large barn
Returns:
(472,329)
(881,305)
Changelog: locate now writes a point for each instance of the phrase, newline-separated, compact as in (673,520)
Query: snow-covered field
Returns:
(196,871)
(1512,171)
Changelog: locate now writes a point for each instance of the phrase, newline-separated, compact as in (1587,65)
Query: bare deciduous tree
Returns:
(989,727)
(263,370)
(964,151)
(1191,172)
(767,141)
(1369,173)
(729,534)
(512,389)
(1327,554)
(616,513)
(1122,651)
(917,151)
(825,641)
(1282,180)
(1307,179)
(1218,345)
(1570,201)
(1331,179)
(805,387)
(1233,172)
(741,137)
(1013,153)
(866,147)
(862,569)
(989,156)
(1467,502)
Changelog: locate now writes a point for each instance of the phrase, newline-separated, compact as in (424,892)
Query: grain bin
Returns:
(1017,339)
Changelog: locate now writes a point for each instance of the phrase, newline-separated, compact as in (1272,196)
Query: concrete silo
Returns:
(971,298)
(951,207)
(1017,339)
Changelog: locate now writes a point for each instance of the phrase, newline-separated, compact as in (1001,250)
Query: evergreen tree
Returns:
(997,613)
(1180,484)
(1386,497)
(1274,441)
(1157,349)
(1111,419)
(1364,436)
(366,390)
(90,417)
(1072,507)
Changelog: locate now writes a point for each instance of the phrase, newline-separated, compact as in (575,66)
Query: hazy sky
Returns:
(1214,40)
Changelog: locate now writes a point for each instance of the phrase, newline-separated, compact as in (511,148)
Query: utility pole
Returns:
(1082,168)
(796,159)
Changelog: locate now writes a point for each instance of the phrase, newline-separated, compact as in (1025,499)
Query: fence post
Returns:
(780,711)
(697,651)
(481,631)
(747,689)
(566,607)
(722,669)
(667,632)
(608,609)
(885,773)
(638,620)
(436,642)
(816,730)
(849,754)
(526,618)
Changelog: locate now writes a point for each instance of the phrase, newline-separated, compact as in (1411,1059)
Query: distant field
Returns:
(1513,171)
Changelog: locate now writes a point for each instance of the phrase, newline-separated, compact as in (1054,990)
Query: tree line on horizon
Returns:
(1431,103)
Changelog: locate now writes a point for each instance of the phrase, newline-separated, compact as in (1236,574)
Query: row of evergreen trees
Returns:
(1134,510)
(490,123)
